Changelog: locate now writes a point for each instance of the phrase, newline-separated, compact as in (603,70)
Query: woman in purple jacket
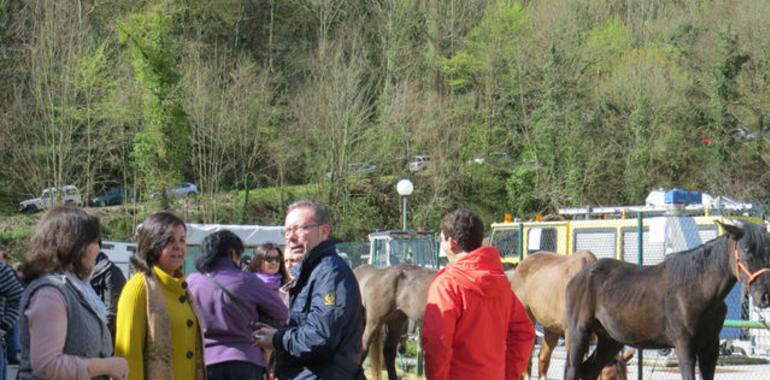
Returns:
(228,301)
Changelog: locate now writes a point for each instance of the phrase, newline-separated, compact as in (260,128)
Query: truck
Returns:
(69,195)
(393,247)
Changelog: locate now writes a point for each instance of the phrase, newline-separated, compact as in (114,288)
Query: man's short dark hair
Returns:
(321,213)
(465,227)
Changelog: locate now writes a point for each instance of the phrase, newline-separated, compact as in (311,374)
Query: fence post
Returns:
(521,242)
(437,249)
(420,353)
(640,261)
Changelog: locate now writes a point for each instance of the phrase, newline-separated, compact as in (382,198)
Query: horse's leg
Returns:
(397,327)
(576,350)
(709,352)
(707,359)
(550,339)
(686,358)
(528,375)
(366,338)
(372,340)
(606,350)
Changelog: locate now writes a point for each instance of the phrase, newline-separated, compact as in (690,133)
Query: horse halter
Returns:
(740,267)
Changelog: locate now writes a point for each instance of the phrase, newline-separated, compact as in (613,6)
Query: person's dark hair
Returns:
(60,241)
(259,257)
(217,245)
(245,261)
(465,227)
(321,213)
(154,234)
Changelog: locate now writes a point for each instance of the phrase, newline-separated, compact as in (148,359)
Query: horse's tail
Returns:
(375,353)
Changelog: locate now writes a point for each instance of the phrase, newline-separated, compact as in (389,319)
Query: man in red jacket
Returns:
(474,326)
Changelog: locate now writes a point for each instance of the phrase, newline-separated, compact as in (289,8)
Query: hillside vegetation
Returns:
(571,103)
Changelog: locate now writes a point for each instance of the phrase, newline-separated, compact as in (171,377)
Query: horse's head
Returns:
(749,247)
(617,369)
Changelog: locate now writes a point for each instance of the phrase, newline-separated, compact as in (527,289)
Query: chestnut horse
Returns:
(392,296)
(678,303)
(617,368)
(539,282)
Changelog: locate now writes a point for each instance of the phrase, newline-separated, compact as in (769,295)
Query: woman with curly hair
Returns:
(157,325)
(63,327)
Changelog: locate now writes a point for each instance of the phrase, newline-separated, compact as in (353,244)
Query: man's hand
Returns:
(263,337)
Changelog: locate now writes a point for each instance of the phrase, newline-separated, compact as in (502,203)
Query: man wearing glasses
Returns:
(326,318)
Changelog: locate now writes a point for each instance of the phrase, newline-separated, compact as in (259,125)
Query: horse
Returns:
(678,303)
(617,368)
(539,282)
(392,296)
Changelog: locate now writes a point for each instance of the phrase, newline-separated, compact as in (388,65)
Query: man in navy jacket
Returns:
(326,316)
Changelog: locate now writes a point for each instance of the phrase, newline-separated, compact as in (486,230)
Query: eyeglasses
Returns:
(298,229)
(272,259)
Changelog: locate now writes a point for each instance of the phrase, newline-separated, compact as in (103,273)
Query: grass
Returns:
(266,206)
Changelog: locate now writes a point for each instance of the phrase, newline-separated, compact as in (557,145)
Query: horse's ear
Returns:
(735,231)
(628,355)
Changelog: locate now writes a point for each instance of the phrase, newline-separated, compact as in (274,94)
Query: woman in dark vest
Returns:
(63,327)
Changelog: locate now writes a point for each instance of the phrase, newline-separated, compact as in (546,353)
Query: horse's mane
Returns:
(687,266)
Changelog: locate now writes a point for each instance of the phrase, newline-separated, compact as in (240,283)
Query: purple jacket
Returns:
(226,332)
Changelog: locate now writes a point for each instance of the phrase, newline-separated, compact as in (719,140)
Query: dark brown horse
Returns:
(678,303)
(392,296)
(539,282)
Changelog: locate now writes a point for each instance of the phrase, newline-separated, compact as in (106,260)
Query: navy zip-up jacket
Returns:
(326,321)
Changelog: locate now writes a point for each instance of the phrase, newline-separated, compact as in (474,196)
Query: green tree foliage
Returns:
(161,149)
(524,106)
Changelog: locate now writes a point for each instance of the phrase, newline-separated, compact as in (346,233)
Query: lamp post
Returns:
(404,187)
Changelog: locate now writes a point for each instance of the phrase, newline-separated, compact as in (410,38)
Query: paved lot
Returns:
(654,371)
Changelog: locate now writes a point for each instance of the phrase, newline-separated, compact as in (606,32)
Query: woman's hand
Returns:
(263,337)
(118,368)
(114,367)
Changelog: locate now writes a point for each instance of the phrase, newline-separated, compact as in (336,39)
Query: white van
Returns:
(70,195)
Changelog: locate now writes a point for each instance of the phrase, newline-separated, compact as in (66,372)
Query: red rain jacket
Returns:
(474,326)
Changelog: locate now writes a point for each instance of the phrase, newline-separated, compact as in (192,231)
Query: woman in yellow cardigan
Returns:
(157,325)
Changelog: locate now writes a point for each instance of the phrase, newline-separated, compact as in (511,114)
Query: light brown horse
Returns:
(617,369)
(392,296)
(539,282)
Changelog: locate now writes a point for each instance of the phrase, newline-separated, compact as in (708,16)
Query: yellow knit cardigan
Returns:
(185,353)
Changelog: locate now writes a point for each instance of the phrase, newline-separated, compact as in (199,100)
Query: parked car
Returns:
(492,158)
(112,196)
(70,195)
(356,168)
(184,189)
(741,134)
(362,167)
(420,162)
